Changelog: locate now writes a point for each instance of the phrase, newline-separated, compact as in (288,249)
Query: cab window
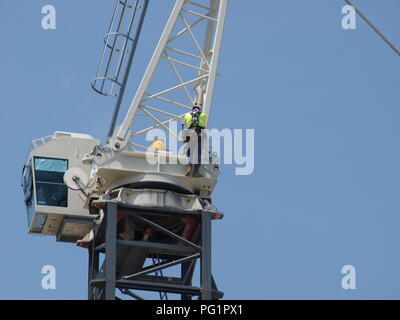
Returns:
(50,187)
(27,185)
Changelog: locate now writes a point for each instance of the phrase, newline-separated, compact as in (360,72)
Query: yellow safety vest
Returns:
(201,120)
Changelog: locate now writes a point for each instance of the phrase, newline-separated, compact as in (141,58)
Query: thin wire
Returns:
(374,28)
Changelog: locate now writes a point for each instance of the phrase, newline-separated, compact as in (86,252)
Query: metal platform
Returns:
(123,255)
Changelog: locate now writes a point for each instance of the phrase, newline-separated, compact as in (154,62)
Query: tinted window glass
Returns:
(27,183)
(30,211)
(50,187)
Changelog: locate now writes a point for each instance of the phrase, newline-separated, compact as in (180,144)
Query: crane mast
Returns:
(124,199)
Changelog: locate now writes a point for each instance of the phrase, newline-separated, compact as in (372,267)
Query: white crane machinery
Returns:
(122,198)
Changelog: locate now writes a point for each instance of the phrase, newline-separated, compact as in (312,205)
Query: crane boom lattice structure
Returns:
(188,51)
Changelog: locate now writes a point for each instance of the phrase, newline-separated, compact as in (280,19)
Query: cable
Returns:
(374,28)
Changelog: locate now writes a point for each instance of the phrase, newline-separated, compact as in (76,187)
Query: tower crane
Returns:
(126,200)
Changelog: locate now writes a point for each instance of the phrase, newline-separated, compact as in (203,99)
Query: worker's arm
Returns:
(187,120)
(202,120)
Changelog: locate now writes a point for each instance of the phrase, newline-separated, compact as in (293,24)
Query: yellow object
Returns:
(158,145)
(201,121)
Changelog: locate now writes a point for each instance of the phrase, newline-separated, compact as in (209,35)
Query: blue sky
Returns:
(322,100)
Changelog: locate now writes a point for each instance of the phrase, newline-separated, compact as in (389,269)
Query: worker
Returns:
(196,121)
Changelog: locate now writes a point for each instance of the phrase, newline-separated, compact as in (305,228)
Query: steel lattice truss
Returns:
(181,73)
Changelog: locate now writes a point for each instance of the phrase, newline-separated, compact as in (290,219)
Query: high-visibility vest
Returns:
(192,120)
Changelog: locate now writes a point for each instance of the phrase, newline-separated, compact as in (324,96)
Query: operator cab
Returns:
(52,208)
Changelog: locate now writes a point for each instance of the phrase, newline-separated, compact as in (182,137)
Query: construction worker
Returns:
(196,121)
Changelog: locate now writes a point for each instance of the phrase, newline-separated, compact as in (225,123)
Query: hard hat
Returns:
(158,145)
